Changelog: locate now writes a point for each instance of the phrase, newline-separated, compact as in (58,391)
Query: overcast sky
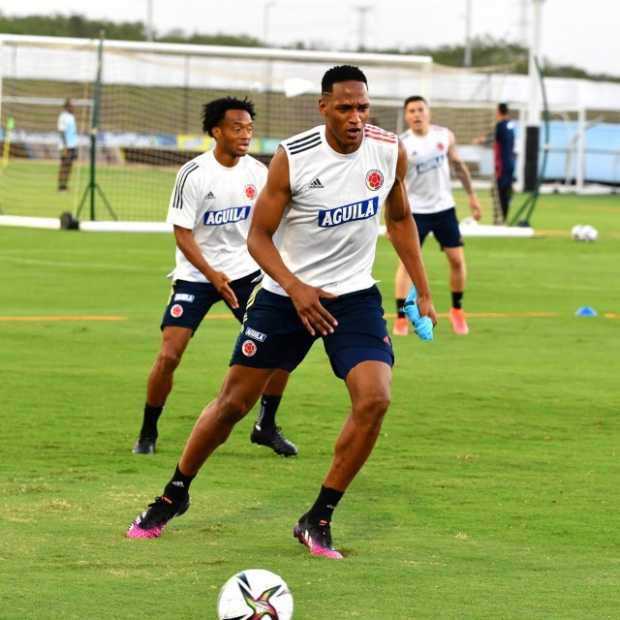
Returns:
(586,34)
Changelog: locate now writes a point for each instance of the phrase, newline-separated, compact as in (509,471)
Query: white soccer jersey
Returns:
(328,233)
(215,202)
(428,171)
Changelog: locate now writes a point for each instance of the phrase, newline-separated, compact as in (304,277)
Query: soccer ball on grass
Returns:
(253,594)
(584,233)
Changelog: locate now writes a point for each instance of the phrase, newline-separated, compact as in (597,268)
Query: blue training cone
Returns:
(586,311)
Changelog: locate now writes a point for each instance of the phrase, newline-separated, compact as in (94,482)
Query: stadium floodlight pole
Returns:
(93,188)
(523,22)
(267,6)
(361,31)
(468,28)
(150,30)
(1,74)
(532,135)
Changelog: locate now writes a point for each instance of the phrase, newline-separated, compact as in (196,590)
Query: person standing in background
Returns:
(67,130)
(503,148)
(431,153)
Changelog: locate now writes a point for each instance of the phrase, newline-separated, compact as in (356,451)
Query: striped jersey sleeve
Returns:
(381,135)
(185,198)
(303,142)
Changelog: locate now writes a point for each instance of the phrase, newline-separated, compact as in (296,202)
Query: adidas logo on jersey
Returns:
(315,184)
(210,196)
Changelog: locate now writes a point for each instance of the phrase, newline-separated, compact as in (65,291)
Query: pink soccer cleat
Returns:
(317,537)
(151,523)
(459,324)
(401,326)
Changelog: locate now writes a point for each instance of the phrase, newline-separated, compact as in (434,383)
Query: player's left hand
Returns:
(421,313)
(476,209)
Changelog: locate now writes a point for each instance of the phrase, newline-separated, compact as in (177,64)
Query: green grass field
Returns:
(134,192)
(138,193)
(492,493)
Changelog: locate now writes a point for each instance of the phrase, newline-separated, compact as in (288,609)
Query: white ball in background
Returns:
(584,232)
(589,233)
(577,232)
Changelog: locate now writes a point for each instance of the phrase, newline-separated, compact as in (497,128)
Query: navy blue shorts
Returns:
(190,301)
(444,225)
(273,335)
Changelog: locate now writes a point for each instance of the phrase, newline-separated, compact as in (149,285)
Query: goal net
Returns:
(149,100)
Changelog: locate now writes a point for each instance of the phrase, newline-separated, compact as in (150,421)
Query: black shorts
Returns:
(444,225)
(68,154)
(190,301)
(273,335)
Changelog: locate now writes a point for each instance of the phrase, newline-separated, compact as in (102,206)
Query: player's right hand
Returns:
(476,209)
(307,302)
(220,282)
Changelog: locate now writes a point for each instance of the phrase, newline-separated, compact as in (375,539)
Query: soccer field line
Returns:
(44,319)
(75,264)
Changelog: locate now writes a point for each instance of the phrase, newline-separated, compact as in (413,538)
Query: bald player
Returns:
(431,150)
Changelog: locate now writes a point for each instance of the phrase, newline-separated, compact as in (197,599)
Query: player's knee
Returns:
(232,407)
(369,411)
(457,263)
(168,359)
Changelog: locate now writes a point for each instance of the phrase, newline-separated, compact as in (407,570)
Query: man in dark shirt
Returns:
(504,162)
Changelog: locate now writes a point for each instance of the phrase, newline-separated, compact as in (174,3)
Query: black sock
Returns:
(457,298)
(400,307)
(149,422)
(267,414)
(178,487)
(325,504)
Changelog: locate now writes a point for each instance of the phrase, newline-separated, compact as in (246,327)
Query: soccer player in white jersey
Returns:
(323,195)
(431,150)
(211,208)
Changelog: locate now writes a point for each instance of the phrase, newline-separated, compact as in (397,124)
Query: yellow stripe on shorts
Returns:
(253,295)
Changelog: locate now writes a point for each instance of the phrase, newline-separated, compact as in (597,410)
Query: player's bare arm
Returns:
(268,212)
(404,236)
(462,173)
(187,244)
